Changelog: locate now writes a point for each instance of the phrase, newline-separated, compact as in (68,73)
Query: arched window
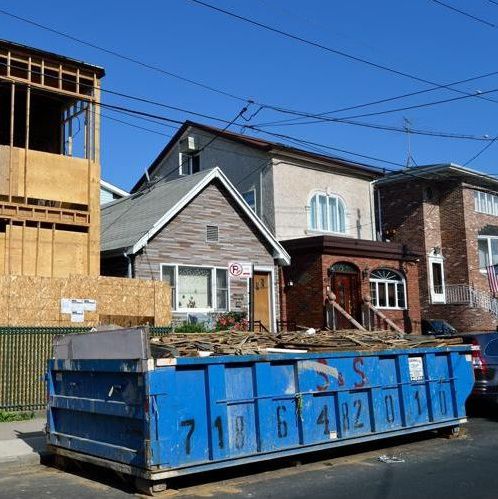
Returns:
(327,214)
(387,289)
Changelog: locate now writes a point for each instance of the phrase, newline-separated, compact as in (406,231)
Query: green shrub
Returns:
(6,417)
(191,328)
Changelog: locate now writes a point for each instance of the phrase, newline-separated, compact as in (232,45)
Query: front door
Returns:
(346,288)
(262,298)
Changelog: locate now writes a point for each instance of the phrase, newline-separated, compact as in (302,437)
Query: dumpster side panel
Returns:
(214,410)
(97,407)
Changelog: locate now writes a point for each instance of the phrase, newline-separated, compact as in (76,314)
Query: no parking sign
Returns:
(240,270)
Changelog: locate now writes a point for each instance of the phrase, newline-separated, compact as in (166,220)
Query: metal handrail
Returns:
(465,294)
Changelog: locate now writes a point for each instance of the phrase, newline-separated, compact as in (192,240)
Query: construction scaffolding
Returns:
(49,164)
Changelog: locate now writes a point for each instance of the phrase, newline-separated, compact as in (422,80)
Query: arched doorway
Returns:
(345,284)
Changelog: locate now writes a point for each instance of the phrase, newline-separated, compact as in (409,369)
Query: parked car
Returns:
(485,363)
(437,327)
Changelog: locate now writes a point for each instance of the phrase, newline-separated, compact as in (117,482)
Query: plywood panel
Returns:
(59,178)
(70,253)
(35,301)
(44,255)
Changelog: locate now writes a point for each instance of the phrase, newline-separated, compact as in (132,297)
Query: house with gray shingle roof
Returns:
(188,232)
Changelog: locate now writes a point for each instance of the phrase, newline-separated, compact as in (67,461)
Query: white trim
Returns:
(214,299)
(488,240)
(399,281)
(436,297)
(328,195)
(272,297)
(113,188)
(279,252)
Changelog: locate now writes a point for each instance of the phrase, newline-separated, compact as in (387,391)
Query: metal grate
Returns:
(212,234)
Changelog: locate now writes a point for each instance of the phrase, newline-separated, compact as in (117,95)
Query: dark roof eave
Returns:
(336,245)
(262,145)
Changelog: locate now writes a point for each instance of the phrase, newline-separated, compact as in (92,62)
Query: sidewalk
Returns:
(22,442)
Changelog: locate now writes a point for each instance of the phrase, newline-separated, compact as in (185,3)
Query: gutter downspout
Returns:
(130,265)
(372,212)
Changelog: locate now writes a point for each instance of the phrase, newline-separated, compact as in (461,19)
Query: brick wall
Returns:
(304,302)
(428,214)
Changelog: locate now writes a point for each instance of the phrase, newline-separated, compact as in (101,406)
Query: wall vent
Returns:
(212,234)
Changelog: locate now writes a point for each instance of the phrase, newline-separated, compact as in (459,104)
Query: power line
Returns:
(389,128)
(124,57)
(324,47)
(486,147)
(382,101)
(466,14)
(279,109)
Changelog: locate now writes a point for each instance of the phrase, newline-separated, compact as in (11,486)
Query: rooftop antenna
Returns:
(409,158)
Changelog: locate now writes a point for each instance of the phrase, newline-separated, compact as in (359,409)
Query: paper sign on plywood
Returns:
(77,316)
(240,270)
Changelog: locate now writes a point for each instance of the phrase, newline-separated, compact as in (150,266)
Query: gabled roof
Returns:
(261,145)
(439,172)
(113,188)
(129,223)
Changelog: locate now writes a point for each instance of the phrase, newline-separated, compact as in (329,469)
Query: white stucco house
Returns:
(297,193)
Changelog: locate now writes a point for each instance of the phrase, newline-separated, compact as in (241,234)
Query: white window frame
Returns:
(214,296)
(437,297)
(488,239)
(486,202)
(384,282)
(185,168)
(319,215)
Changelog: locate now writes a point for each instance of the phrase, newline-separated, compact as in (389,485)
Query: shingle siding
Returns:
(183,241)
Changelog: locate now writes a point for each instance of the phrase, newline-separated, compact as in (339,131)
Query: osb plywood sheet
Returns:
(47,172)
(35,301)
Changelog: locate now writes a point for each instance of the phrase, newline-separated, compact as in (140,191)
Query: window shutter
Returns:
(180,163)
(212,234)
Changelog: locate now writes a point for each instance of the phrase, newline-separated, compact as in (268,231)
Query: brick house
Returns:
(354,269)
(450,214)
(186,232)
(319,207)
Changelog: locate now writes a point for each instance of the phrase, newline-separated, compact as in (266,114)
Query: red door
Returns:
(347,291)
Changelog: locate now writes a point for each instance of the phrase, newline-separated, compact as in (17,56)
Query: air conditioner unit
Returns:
(189,145)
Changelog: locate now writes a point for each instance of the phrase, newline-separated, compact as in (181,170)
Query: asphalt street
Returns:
(465,467)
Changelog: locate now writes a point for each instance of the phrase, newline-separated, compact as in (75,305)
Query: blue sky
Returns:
(418,37)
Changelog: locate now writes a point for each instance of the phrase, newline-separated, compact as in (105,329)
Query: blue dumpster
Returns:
(160,418)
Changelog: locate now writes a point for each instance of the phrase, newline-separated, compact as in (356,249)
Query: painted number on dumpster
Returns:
(355,415)
(190,424)
(323,419)
(219,427)
(390,415)
(239,432)
(282,431)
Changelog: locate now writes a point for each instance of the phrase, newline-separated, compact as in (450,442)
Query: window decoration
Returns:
(327,214)
(387,289)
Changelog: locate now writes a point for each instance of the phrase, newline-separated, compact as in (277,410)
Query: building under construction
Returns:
(49,163)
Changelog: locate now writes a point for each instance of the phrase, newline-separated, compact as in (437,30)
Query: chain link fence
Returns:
(23,359)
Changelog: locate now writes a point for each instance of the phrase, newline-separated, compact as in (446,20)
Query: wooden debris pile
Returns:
(247,343)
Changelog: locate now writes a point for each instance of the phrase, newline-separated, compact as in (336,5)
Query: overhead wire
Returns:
(325,48)
(464,13)
(123,56)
